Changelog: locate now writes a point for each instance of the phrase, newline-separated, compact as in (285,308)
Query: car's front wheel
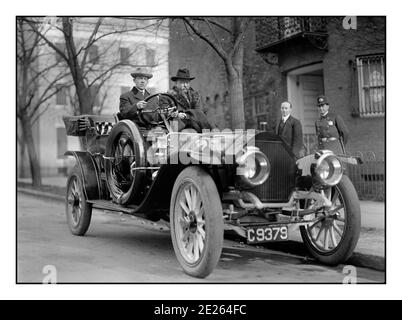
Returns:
(332,238)
(196,222)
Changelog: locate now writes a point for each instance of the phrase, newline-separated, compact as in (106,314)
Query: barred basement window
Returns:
(371,81)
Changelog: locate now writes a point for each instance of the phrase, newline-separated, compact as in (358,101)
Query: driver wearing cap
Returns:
(133,100)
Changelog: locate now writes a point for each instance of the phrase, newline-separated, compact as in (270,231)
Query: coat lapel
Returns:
(288,124)
(183,100)
(139,95)
(277,125)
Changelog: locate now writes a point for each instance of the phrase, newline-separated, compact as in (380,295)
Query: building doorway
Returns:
(304,85)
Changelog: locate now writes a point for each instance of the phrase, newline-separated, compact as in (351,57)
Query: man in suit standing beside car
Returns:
(290,129)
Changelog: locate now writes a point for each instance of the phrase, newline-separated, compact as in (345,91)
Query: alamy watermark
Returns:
(350,273)
(349,23)
(50,274)
(209,147)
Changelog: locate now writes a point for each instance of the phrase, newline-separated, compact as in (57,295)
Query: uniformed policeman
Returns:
(331,130)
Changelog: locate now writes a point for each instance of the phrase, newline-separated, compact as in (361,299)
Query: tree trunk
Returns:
(234,73)
(33,159)
(21,158)
(83,92)
(236,101)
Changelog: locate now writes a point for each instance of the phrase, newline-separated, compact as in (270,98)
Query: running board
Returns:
(109,205)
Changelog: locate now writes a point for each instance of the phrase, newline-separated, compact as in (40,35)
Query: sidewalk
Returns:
(370,250)
(59,181)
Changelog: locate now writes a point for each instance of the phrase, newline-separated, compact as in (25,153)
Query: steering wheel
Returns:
(157,105)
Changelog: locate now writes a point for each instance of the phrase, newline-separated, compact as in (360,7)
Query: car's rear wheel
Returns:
(78,210)
(196,222)
(333,237)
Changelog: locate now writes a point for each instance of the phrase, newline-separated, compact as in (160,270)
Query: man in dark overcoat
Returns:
(290,129)
(133,100)
(190,110)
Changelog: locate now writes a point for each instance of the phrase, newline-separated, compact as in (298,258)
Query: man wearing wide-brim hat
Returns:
(191,114)
(133,100)
(332,132)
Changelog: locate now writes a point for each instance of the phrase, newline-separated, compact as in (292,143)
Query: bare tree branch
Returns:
(90,42)
(45,96)
(42,72)
(121,32)
(105,72)
(219,50)
(213,33)
(49,43)
(39,114)
(214,23)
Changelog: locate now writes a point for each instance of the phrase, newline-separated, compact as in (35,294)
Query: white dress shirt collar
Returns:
(284,119)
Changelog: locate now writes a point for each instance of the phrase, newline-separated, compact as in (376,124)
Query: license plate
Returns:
(267,234)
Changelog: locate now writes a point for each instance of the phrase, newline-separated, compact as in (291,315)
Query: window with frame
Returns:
(95,95)
(150,57)
(260,106)
(61,96)
(93,54)
(62,47)
(371,85)
(124,55)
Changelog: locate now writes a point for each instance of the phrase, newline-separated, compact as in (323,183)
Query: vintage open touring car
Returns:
(209,182)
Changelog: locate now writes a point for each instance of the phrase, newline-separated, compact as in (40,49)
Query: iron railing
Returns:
(310,143)
(369,177)
(272,30)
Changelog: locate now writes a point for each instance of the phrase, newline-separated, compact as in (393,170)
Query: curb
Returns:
(357,259)
(367,261)
(41,194)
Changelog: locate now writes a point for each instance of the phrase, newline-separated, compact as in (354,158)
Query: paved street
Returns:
(121,248)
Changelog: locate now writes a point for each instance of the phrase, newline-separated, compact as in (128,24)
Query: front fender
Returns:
(93,187)
(304,164)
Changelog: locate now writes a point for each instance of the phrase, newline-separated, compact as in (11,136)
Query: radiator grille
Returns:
(281,180)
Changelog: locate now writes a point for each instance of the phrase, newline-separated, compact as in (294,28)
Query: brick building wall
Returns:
(367,134)
(340,75)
